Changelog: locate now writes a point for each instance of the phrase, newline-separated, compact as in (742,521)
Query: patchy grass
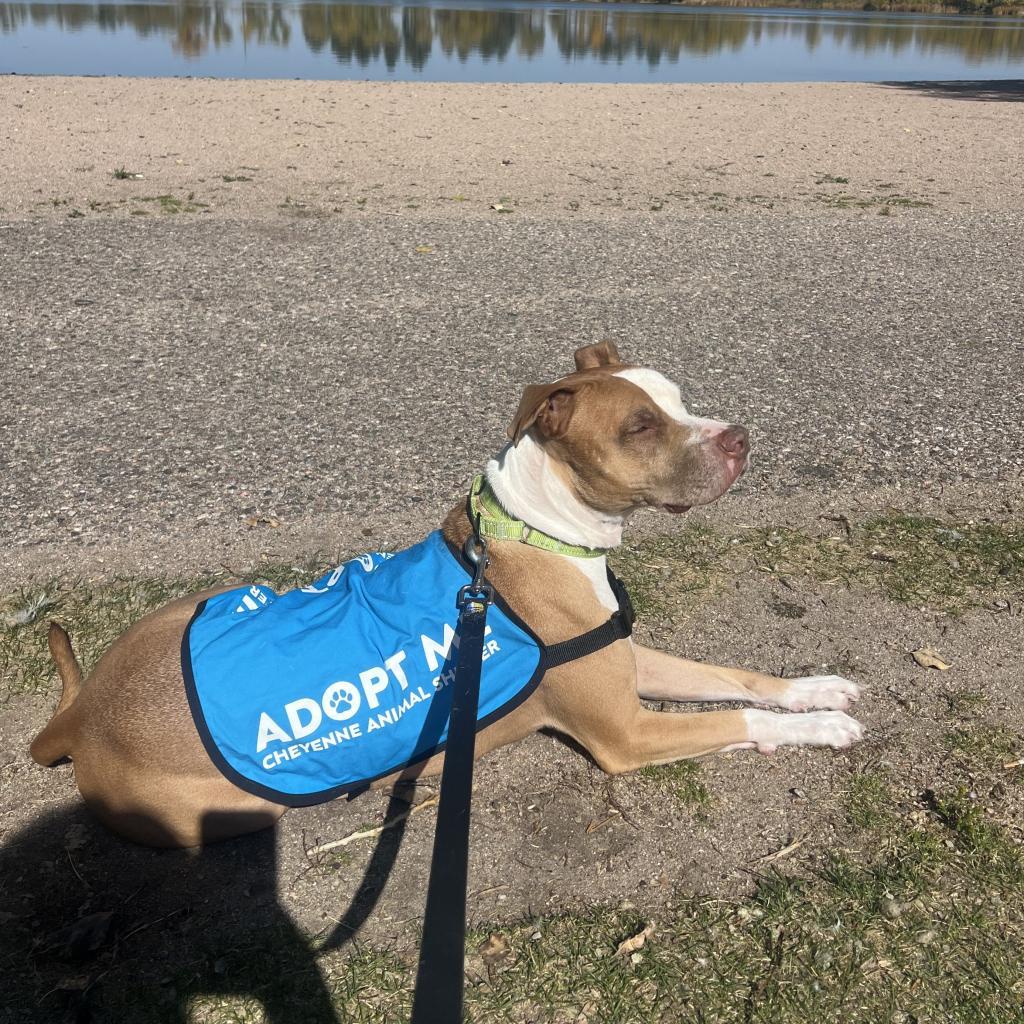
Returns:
(912,912)
(169,204)
(683,780)
(964,703)
(988,746)
(868,800)
(911,559)
(661,570)
(904,201)
(925,927)
(277,971)
(846,201)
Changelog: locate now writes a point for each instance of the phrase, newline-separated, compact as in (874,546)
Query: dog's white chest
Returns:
(596,571)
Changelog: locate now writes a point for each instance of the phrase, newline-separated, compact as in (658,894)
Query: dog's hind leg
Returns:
(168,810)
(661,676)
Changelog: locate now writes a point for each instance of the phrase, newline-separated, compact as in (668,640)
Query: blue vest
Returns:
(303,696)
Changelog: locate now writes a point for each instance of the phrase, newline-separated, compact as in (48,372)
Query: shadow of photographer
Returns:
(93,928)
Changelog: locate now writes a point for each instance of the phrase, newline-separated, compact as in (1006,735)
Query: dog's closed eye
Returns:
(642,422)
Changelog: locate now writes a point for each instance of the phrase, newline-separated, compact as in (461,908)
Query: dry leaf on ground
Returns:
(493,949)
(635,942)
(927,658)
(253,521)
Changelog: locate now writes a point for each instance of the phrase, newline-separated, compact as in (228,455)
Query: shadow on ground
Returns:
(91,916)
(96,929)
(1005,89)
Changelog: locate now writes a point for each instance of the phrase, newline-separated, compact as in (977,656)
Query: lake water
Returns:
(501,42)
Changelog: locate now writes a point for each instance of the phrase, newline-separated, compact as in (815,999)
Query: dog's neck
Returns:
(525,481)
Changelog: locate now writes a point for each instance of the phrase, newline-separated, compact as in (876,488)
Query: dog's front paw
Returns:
(831,692)
(814,729)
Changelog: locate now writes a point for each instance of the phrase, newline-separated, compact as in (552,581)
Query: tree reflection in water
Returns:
(406,35)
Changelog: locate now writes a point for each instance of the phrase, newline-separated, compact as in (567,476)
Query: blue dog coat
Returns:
(303,696)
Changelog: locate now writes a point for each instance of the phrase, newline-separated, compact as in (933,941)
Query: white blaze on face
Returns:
(666,397)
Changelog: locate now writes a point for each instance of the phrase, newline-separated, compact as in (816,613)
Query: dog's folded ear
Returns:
(548,406)
(604,353)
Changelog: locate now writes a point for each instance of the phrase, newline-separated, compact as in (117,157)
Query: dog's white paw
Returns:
(814,729)
(832,692)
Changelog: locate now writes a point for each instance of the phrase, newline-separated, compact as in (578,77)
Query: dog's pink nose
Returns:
(734,441)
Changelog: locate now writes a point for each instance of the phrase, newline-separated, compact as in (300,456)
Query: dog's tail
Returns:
(54,742)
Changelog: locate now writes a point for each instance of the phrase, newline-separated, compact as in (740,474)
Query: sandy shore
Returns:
(271,149)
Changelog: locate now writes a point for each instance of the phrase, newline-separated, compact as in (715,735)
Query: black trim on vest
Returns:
(350,789)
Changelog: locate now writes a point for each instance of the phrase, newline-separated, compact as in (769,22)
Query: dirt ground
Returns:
(552,834)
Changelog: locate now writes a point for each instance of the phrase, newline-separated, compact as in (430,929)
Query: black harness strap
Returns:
(618,627)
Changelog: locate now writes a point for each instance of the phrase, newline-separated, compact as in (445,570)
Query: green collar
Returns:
(495,523)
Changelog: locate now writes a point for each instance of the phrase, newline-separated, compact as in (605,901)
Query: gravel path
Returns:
(167,378)
(162,378)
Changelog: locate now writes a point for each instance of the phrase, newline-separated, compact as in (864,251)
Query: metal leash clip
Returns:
(479,592)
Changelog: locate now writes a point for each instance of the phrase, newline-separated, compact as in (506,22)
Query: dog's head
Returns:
(624,439)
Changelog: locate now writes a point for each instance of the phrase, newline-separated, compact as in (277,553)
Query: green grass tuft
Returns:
(986,746)
(910,559)
(660,571)
(683,780)
(169,204)
(869,801)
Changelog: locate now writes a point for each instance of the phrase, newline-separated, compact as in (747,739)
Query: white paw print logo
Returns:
(341,700)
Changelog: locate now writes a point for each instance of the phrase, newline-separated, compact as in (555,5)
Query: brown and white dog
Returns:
(586,451)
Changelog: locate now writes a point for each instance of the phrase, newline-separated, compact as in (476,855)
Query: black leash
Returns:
(439,978)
